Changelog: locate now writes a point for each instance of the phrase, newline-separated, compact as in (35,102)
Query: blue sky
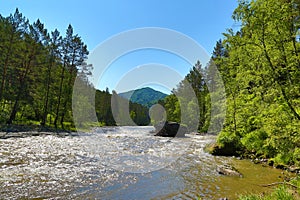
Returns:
(96,21)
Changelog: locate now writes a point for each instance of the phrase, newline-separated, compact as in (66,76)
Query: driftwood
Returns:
(280,183)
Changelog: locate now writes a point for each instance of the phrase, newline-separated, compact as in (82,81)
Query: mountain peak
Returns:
(146,96)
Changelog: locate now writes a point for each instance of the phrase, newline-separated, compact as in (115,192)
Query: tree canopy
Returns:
(260,66)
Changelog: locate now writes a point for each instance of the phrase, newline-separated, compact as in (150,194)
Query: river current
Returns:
(122,163)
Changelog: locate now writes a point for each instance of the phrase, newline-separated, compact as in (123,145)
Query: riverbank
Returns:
(288,189)
(21,131)
(230,150)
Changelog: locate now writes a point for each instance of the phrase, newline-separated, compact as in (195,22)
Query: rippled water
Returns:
(121,163)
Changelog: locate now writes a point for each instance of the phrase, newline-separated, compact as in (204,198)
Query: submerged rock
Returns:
(228,171)
(170,129)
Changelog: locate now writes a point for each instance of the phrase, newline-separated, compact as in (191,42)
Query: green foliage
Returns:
(103,108)
(280,193)
(296,182)
(38,70)
(189,101)
(296,156)
(172,107)
(260,67)
(283,158)
(254,141)
(103,105)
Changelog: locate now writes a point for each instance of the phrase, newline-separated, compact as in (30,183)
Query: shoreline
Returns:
(215,150)
(21,134)
(22,131)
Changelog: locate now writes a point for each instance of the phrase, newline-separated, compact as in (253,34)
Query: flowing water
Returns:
(122,163)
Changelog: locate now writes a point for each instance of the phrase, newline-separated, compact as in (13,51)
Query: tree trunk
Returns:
(45,112)
(5,67)
(20,90)
(59,96)
(67,98)
(14,112)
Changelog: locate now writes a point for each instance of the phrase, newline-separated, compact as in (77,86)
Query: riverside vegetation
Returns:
(260,68)
(259,64)
(38,70)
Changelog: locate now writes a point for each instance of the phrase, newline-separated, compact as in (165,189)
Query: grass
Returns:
(280,193)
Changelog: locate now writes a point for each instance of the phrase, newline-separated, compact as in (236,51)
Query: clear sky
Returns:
(97,20)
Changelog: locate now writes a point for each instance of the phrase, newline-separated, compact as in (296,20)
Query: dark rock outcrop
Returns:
(170,129)
(226,149)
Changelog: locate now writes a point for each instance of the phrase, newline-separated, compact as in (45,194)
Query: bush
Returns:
(254,141)
(227,145)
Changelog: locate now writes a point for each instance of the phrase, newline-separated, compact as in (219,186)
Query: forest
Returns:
(260,67)
(38,70)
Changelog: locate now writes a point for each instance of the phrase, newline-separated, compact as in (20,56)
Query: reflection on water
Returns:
(104,165)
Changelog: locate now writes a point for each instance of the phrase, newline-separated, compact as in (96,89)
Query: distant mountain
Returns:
(144,96)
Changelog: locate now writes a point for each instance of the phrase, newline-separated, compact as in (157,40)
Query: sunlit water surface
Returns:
(122,163)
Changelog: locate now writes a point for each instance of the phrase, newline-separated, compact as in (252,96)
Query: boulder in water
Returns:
(170,129)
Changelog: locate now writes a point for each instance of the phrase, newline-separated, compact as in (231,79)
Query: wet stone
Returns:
(2,135)
(15,134)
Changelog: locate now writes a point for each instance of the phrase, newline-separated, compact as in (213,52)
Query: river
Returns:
(122,163)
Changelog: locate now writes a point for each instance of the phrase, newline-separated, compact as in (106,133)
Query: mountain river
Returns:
(122,163)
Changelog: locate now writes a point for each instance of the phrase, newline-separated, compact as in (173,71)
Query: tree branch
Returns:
(280,183)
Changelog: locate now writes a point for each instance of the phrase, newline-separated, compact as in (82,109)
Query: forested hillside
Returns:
(144,96)
(103,106)
(260,66)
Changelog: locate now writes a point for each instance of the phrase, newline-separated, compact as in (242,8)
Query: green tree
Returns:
(33,43)
(53,59)
(38,71)
(172,107)
(261,74)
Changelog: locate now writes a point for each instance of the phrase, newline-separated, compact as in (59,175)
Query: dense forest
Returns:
(124,113)
(260,67)
(38,69)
